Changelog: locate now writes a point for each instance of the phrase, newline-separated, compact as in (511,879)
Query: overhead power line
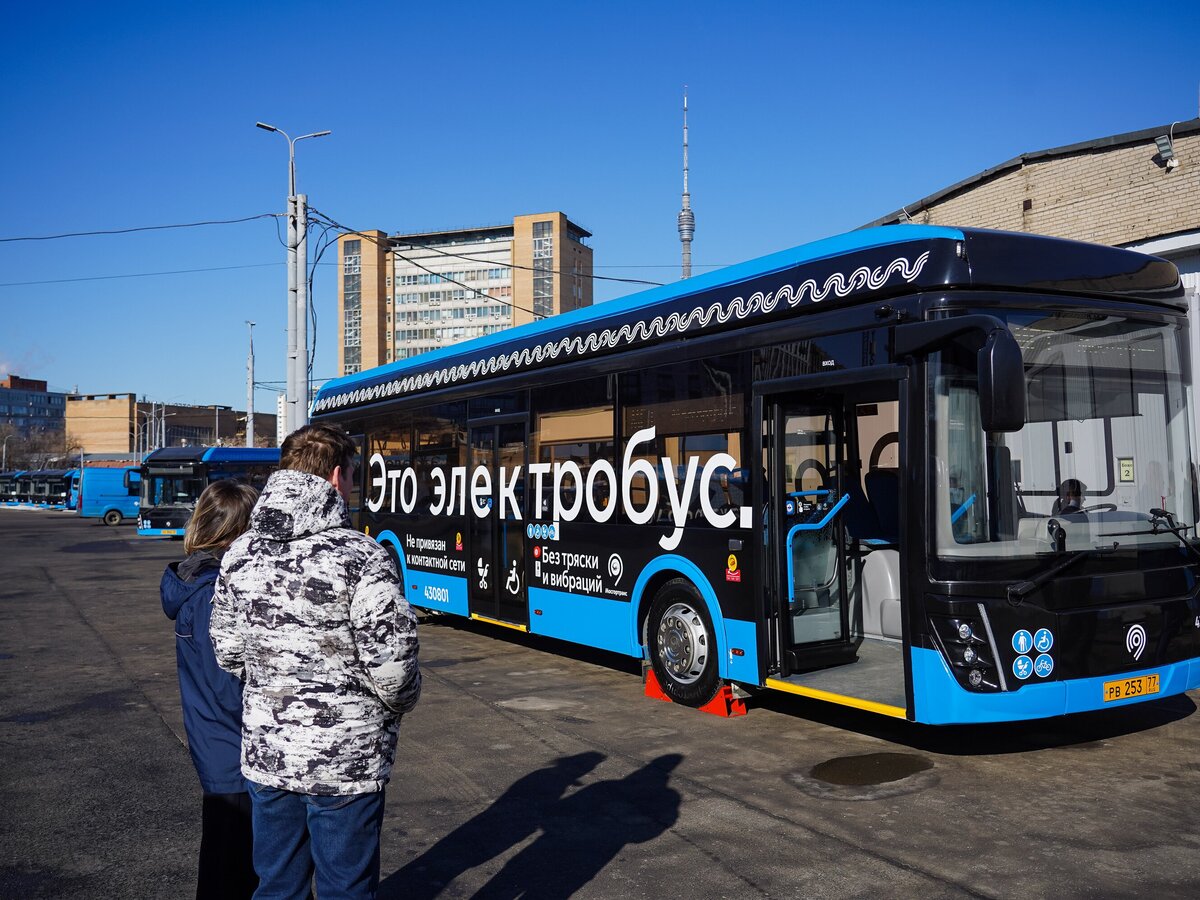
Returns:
(138,274)
(55,237)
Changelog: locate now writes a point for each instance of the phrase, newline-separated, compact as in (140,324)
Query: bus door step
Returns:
(725,704)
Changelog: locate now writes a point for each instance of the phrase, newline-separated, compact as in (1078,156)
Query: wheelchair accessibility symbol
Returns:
(513,584)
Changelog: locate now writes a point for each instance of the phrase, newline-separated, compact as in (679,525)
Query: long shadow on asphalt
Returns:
(578,834)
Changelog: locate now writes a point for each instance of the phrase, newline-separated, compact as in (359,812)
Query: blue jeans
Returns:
(295,834)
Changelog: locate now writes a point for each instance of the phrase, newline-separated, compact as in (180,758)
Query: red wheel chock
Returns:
(725,704)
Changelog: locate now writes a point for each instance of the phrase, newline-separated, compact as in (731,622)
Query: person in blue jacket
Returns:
(212,698)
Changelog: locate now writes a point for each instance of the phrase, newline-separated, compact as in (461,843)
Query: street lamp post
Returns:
(250,389)
(297,318)
(4,464)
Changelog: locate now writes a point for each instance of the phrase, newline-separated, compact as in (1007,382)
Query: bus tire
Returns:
(682,644)
(112,517)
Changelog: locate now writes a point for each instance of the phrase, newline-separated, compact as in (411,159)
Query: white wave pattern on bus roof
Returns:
(643,331)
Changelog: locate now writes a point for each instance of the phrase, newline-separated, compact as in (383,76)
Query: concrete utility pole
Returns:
(250,389)
(297,314)
(302,310)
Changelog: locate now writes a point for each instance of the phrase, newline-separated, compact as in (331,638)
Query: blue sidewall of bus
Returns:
(941,700)
(593,621)
(422,588)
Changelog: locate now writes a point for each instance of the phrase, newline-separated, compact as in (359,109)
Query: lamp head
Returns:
(1166,150)
(265,127)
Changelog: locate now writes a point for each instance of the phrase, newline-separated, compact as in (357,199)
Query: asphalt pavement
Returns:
(532,768)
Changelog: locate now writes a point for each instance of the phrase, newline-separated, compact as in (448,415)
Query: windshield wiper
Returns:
(1018,591)
(1163,521)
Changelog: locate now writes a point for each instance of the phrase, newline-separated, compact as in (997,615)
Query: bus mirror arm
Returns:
(1000,365)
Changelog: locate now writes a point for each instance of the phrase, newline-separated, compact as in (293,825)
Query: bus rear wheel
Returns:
(112,517)
(683,650)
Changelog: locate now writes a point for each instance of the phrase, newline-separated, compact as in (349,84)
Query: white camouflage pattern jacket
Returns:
(312,615)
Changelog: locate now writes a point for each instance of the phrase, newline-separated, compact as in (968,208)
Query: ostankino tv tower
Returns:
(687,219)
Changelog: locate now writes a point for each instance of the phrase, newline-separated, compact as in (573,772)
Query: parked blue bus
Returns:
(45,488)
(8,487)
(842,471)
(173,478)
(110,494)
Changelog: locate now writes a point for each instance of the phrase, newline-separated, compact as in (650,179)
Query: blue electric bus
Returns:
(45,488)
(939,474)
(111,495)
(8,487)
(173,478)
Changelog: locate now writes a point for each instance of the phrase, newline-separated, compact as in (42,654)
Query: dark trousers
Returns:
(226,848)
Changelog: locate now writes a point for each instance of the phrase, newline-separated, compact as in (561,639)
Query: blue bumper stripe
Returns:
(941,700)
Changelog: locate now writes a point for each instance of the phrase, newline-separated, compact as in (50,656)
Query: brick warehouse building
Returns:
(1120,190)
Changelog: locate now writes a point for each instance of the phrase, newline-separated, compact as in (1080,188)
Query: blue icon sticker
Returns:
(1022,667)
(1043,665)
(553,532)
(1043,640)
(529,531)
(790,508)
(1022,641)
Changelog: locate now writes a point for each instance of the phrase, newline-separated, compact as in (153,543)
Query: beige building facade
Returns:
(121,424)
(406,294)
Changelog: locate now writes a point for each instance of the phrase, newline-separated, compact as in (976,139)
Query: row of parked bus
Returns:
(159,495)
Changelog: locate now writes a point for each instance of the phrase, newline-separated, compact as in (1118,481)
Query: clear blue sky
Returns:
(806,120)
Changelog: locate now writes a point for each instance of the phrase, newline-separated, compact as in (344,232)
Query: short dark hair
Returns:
(221,515)
(317,449)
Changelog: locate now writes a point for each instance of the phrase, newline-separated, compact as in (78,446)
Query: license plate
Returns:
(1125,688)
(173,531)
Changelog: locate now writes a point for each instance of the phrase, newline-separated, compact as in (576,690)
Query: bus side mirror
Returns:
(1001,383)
(1001,368)
(126,481)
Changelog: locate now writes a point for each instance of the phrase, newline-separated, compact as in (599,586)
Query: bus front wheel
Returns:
(112,517)
(683,650)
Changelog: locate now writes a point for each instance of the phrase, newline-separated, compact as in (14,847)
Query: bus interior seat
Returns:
(883,491)
(858,515)
(881,595)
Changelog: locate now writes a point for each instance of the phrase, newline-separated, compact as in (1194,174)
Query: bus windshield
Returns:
(175,489)
(1103,456)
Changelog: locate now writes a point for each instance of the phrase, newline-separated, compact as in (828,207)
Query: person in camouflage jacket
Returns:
(311,613)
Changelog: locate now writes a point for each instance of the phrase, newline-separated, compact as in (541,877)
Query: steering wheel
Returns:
(1100,507)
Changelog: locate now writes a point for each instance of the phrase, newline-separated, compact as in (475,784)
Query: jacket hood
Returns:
(182,580)
(295,505)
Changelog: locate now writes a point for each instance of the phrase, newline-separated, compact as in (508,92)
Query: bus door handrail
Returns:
(808,526)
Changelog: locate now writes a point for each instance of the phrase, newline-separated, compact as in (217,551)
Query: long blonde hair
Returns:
(222,513)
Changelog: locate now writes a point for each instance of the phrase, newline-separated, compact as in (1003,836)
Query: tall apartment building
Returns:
(405,294)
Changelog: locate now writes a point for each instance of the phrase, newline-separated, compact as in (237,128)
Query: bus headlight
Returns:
(969,655)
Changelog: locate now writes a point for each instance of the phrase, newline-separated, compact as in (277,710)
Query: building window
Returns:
(543,269)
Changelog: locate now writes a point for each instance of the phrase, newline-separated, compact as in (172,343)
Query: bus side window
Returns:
(697,409)
(574,423)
